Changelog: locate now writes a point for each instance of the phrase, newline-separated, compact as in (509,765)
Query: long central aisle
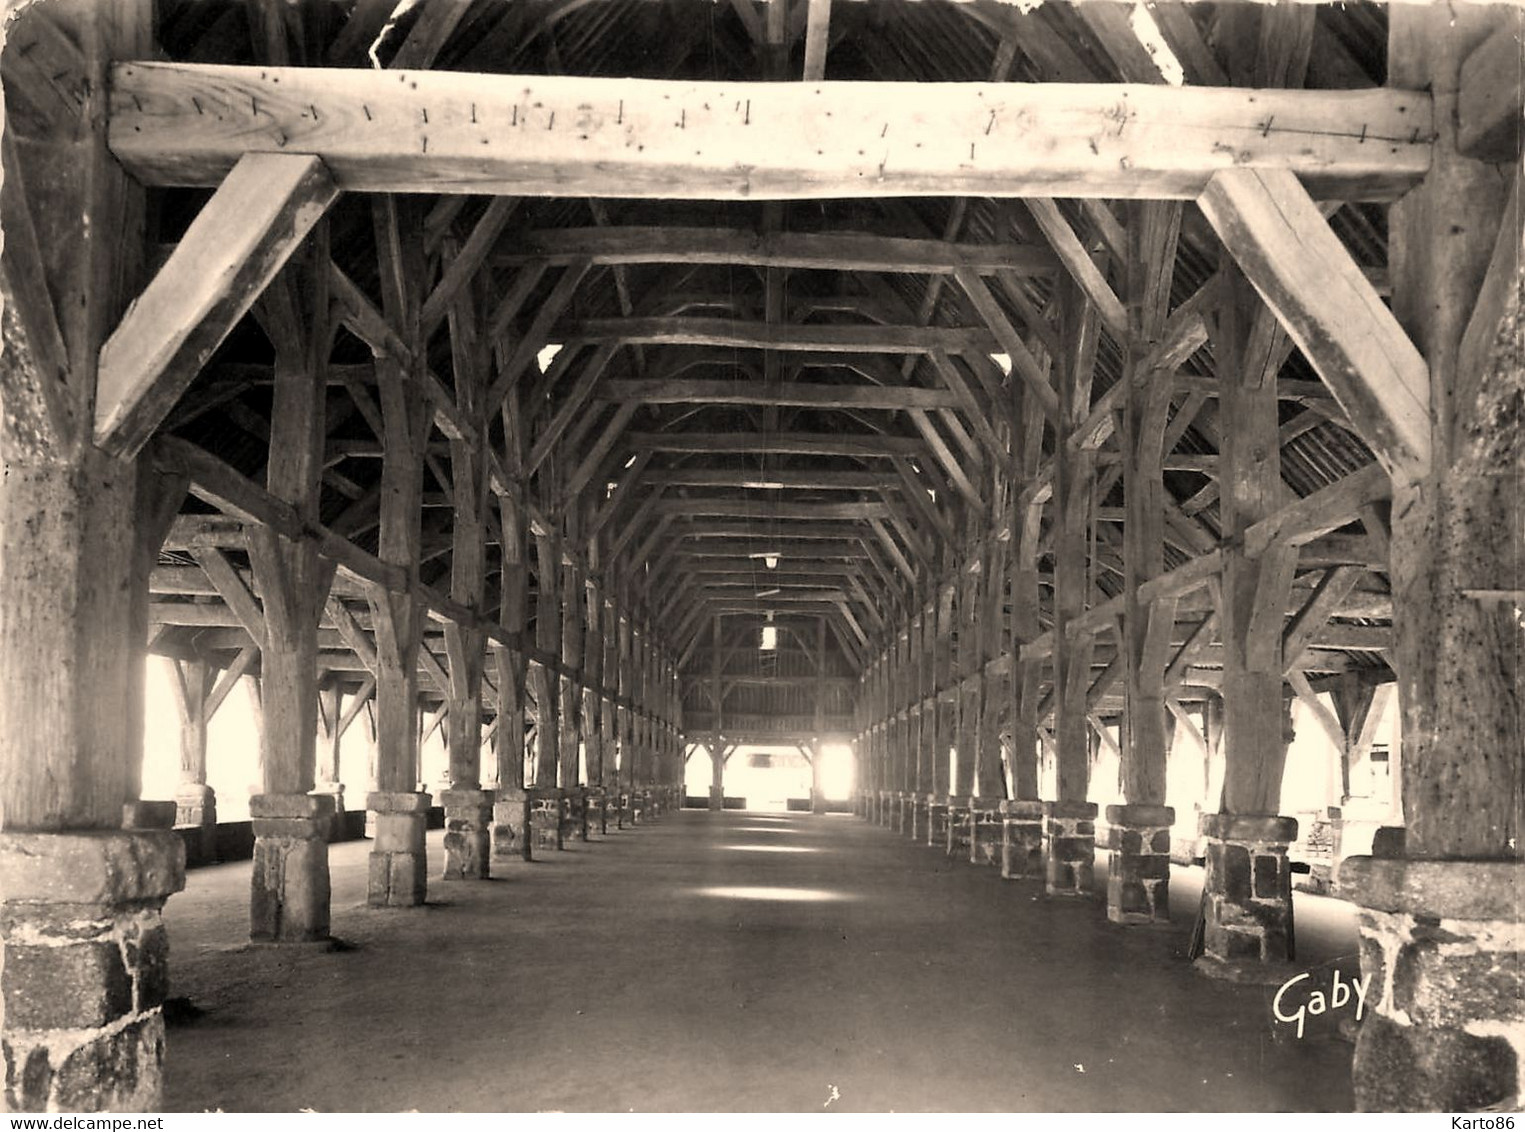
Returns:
(724,962)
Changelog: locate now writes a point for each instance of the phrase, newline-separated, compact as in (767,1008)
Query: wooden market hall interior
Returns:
(761,555)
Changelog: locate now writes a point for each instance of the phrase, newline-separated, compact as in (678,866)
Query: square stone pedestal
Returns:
(143,814)
(956,843)
(985,831)
(902,813)
(196,809)
(937,821)
(1022,839)
(510,826)
(1247,897)
(598,821)
(1444,950)
(1070,848)
(468,834)
(574,815)
(399,866)
(289,892)
(334,792)
(84,968)
(546,825)
(1138,864)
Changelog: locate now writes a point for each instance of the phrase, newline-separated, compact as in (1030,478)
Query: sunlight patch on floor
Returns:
(769,848)
(764,892)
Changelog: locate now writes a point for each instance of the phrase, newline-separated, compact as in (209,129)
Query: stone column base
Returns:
(289,893)
(196,809)
(335,792)
(917,826)
(985,831)
(468,834)
(1247,897)
(574,814)
(937,821)
(1070,850)
(399,868)
(957,841)
(1138,864)
(510,826)
(84,968)
(195,805)
(546,805)
(1022,839)
(598,825)
(1443,954)
(717,798)
(884,811)
(144,815)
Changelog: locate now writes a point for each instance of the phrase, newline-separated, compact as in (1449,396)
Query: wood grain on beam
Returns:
(541,135)
(240,239)
(1490,101)
(812,395)
(792,443)
(739,334)
(1306,276)
(769,512)
(752,480)
(818,251)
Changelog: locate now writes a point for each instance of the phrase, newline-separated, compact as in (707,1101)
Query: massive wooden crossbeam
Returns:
(819,251)
(753,480)
(792,443)
(764,511)
(528,135)
(739,334)
(760,549)
(810,395)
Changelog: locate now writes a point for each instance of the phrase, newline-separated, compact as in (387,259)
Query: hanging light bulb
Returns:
(771,561)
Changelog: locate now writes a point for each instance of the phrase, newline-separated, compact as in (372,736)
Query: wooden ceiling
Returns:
(802,266)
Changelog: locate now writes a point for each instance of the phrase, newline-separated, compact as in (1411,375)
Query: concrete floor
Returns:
(734,962)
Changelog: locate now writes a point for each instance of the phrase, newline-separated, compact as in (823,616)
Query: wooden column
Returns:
(625,716)
(326,773)
(945,713)
(822,692)
(195,801)
(544,688)
(601,706)
(717,758)
(510,836)
(1247,895)
(989,774)
(1070,822)
(985,831)
(289,901)
(73,599)
(923,720)
(398,875)
(1138,885)
(1458,582)
(573,609)
(468,808)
